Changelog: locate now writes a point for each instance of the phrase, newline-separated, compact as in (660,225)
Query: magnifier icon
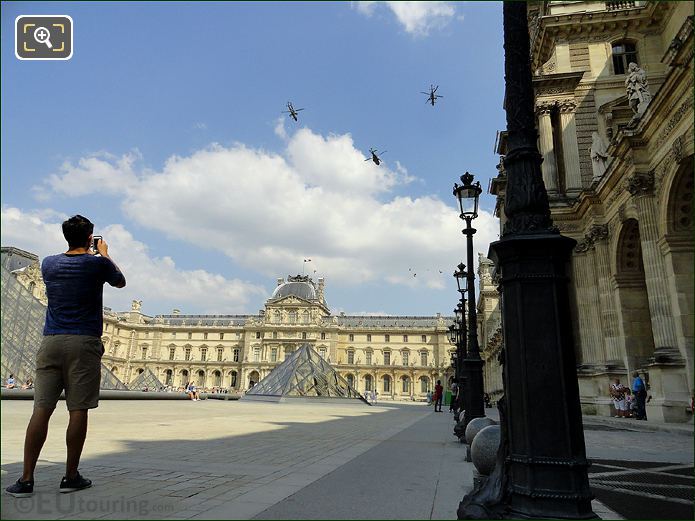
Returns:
(43,35)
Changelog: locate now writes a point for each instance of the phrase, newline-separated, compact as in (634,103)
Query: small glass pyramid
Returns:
(304,374)
(145,380)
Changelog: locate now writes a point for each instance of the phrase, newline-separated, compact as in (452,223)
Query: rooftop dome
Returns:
(299,286)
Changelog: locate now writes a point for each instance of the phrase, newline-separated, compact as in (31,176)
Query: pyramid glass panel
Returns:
(145,380)
(304,374)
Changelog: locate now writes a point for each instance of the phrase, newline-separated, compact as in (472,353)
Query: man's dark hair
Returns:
(77,230)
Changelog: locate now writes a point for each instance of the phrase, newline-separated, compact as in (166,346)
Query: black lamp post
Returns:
(468,195)
(541,467)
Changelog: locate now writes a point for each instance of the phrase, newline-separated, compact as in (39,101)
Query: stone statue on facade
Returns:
(136,305)
(599,155)
(638,95)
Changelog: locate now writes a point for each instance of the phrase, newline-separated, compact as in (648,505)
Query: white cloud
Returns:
(155,280)
(417,18)
(318,200)
(103,173)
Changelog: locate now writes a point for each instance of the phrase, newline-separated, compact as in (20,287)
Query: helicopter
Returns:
(432,96)
(375,157)
(291,111)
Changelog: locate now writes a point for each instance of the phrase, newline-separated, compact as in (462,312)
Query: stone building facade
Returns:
(398,356)
(614,100)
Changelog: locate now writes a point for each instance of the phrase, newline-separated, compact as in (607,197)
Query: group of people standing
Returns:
(630,403)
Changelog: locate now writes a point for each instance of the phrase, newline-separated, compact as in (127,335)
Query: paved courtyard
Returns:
(239,460)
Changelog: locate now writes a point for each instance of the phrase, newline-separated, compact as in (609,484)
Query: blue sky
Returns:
(165,129)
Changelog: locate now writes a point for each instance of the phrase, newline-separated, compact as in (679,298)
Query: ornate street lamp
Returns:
(540,473)
(468,195)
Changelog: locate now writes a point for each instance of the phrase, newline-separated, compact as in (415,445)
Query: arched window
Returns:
(277,317)
(368,382)
(624,53)
(201,378)
(217,379)
(233,379)
(169,377)
(405,384)
(387,384)
(184,377)
(141,370)
(293,317)
(305,317)
(253,378)
(424,384)
(350,380)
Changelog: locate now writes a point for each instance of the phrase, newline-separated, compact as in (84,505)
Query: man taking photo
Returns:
(70,354)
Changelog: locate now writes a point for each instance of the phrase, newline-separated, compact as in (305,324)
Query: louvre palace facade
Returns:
(614,105)
(400,357)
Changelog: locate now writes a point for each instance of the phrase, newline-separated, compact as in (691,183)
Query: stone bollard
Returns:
(484,449)
(474,427)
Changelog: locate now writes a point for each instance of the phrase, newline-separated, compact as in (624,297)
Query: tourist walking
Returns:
(438,392)
(69,358)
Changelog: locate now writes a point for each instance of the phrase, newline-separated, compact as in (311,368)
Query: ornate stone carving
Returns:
(567,105)
(583,245)
(638,95)
(598,232)
(641,183)
(675,118)
(136,305)
(545,107)
(599,156)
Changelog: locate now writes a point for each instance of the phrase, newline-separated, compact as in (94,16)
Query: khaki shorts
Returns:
(71,363)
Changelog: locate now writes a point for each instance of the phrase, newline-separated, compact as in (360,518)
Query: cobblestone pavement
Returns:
(237,460)
(185,459)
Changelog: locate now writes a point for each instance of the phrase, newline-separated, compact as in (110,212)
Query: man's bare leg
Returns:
(74,439)
(37,430)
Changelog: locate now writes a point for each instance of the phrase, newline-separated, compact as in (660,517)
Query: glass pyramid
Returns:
(22,317)
(304,374)
(110,381)
(146,379)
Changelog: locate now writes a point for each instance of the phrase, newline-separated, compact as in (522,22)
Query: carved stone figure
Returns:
(638,95)
(136,305)
(599,155)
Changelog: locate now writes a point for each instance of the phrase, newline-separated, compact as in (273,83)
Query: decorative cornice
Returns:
(583,245)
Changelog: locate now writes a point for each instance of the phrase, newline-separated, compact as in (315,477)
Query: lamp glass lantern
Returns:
(453,334)
(460,275)
(468,195)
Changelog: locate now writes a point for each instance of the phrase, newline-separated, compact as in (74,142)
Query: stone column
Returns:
(613,353)
(570,148)
(641,186)
(587,305)
(549,165)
